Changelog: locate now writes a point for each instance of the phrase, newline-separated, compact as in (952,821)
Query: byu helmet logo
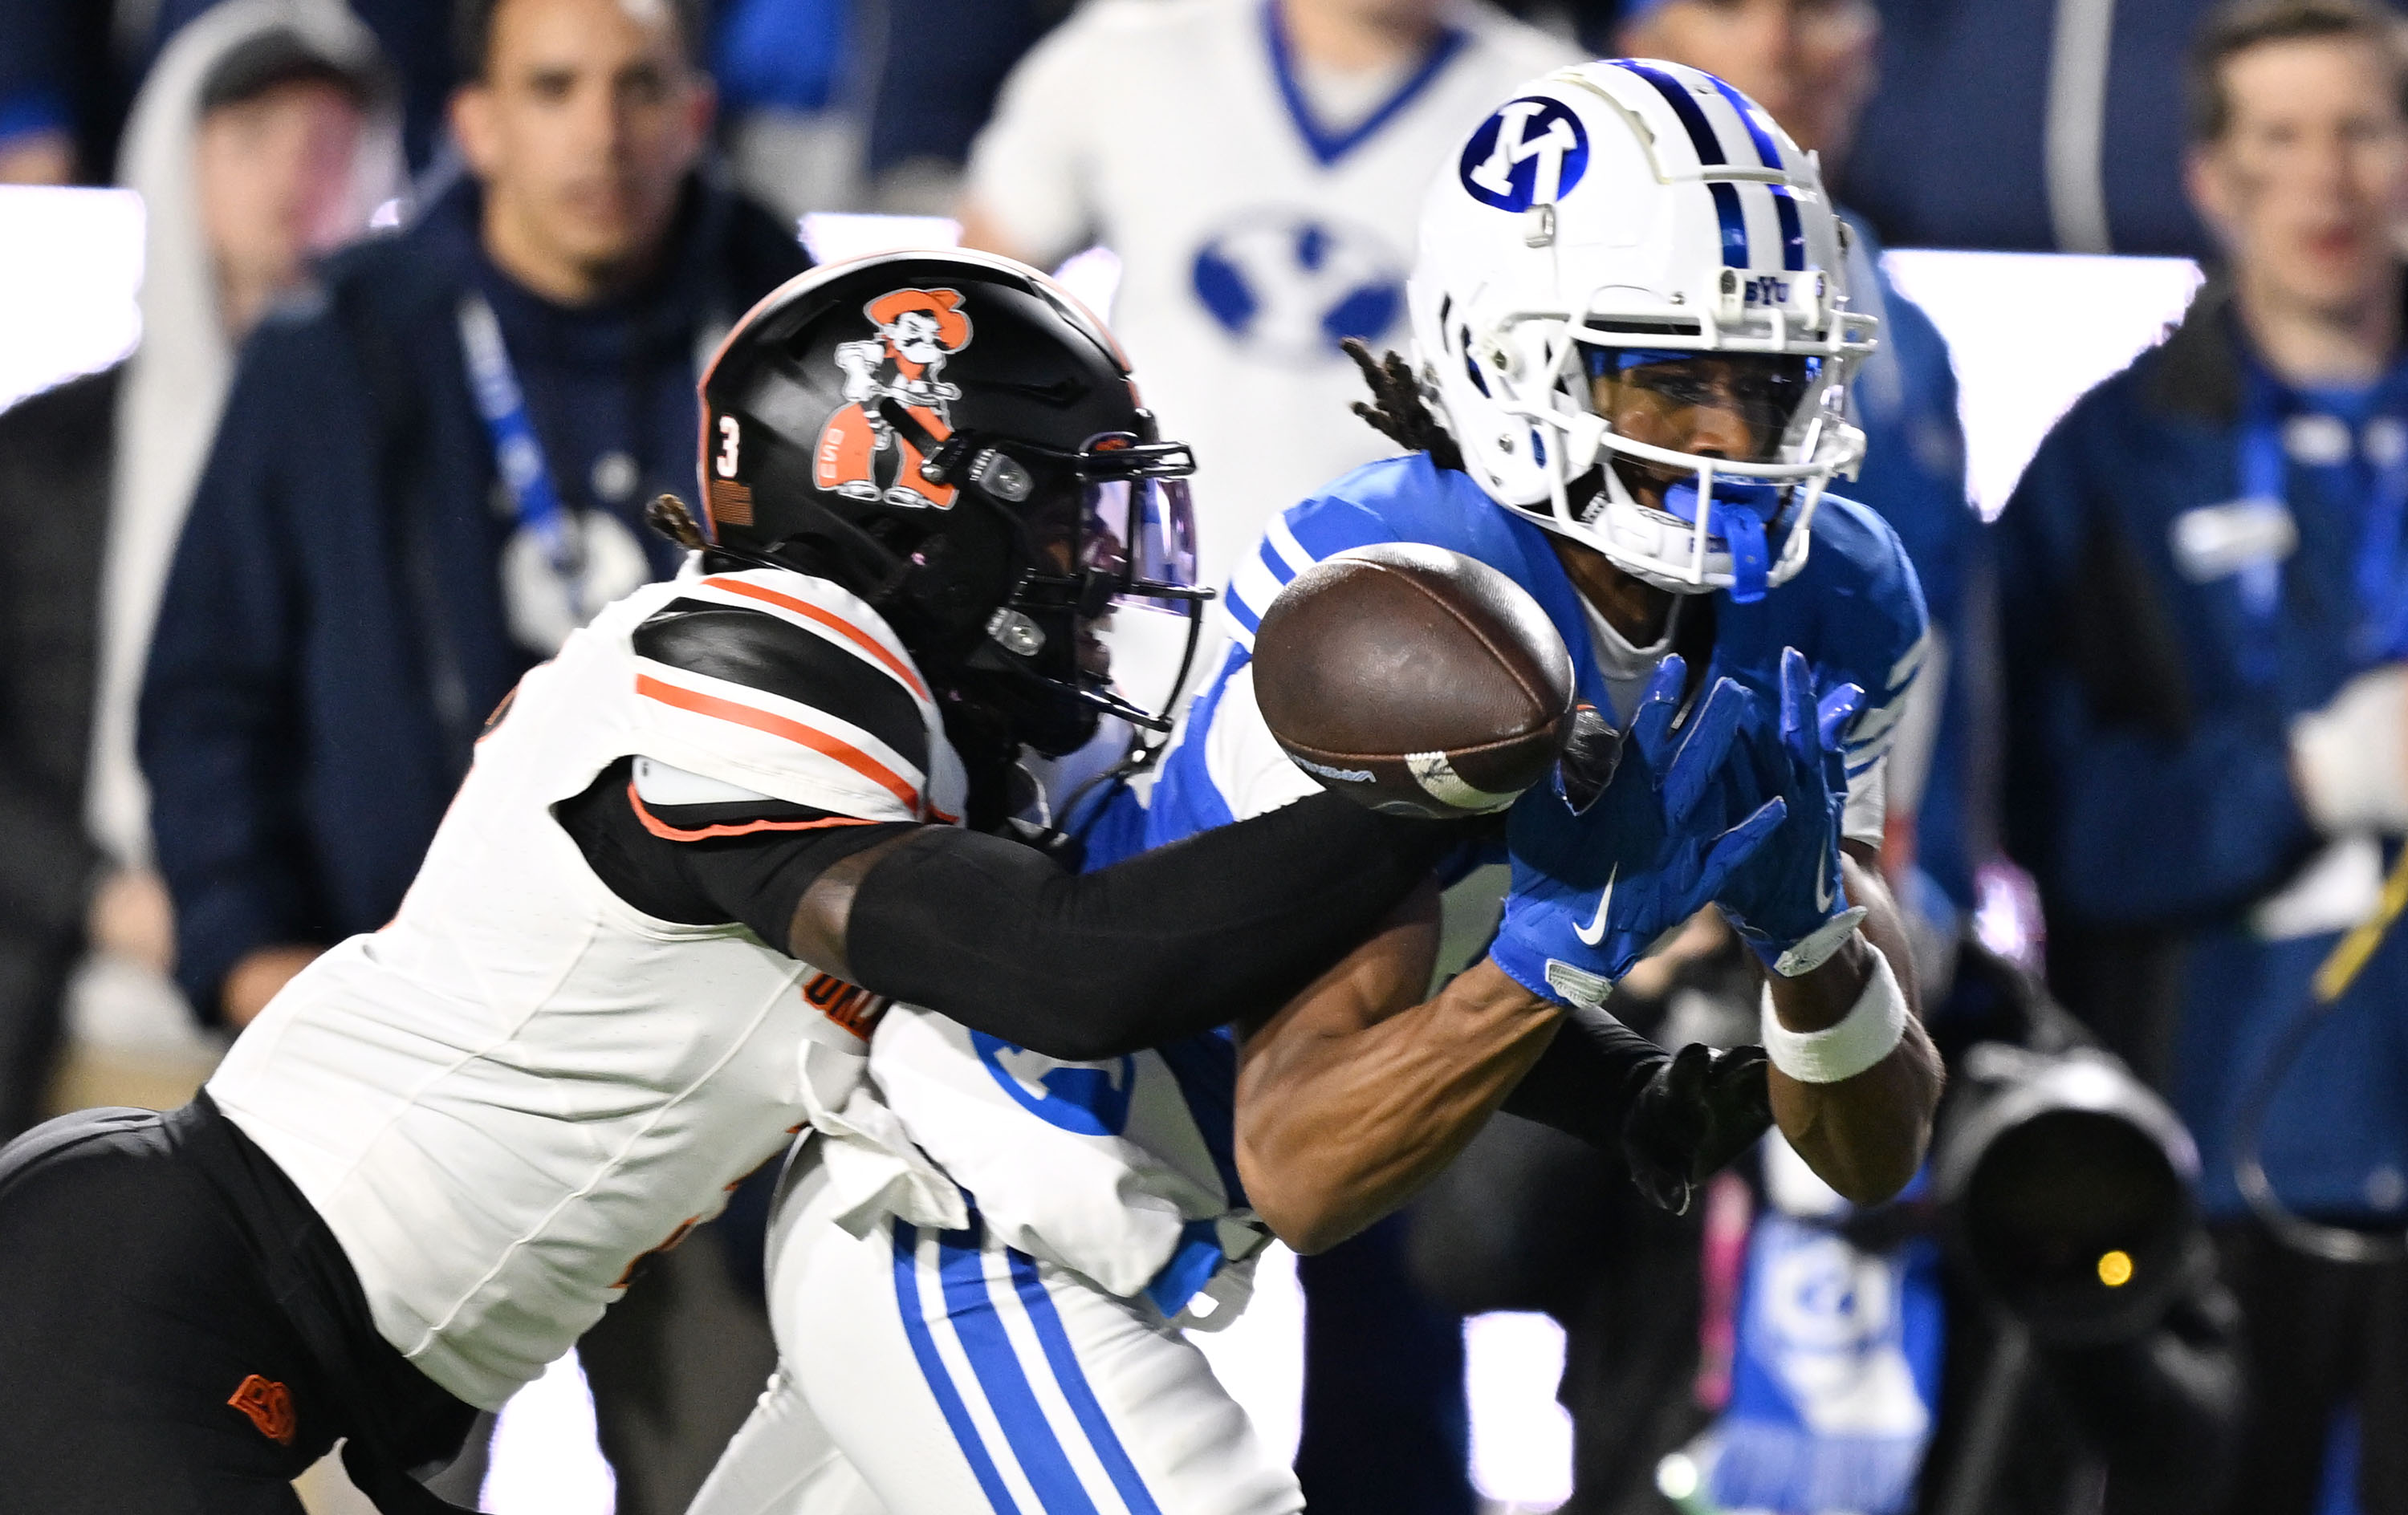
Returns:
(1530,152)
(1289,287)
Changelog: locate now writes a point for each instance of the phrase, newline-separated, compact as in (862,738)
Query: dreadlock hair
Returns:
(1396,410)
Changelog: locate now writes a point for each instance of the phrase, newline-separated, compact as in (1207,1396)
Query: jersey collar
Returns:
(1327,147)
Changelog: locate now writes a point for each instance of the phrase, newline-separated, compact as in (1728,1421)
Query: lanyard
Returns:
(518,453)
(2382,631)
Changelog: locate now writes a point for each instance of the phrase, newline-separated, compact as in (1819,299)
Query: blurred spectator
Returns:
(2204,617)
(261,139)
(792,95)
(55,91)
(417,37)
(1809,63)
(1259,167)
(935,65)
(360,579)
(2009,123)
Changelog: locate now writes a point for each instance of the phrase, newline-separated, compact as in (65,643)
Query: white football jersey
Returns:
(1253,234)
(1122,1170)
(505,1097)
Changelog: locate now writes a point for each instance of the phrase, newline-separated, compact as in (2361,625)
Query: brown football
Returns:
(1414,679)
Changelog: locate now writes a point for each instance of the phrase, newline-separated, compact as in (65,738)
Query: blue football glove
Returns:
(1599,874)
(1787,900)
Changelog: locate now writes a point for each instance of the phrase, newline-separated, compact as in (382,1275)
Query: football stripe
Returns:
(669,831)
(777,725)
(758,650)
(835,622)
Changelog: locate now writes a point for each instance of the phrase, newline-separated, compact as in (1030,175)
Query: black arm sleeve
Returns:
(996,934)
(712,865)
(1586,1081)
(1203,932)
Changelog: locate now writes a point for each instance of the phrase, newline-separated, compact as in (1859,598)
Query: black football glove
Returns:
(1698,1110)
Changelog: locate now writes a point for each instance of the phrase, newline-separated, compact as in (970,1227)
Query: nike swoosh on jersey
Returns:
(1594,932)
(1823,894)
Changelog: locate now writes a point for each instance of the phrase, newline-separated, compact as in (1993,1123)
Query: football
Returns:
(1413,679)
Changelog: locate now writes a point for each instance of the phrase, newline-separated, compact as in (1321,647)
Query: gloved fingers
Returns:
(1796,699)
(1591,753)
(1685,1080)
(1839,706)
(1738,1085)
(1736,845)
(1651,724)
(1704,749)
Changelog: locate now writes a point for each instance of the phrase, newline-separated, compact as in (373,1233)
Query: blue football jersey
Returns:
(1854,610)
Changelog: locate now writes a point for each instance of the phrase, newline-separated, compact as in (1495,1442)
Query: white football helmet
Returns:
(1618,213)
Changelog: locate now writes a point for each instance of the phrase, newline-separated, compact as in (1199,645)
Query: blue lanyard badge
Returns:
(560,566)
(2370,456)
(517,452)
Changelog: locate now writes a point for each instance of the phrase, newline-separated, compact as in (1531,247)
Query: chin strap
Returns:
(1740,511)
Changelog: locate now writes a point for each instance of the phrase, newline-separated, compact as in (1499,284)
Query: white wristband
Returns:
(1863,1036)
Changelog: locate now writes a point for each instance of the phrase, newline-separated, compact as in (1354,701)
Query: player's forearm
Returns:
(1865,1136)
(1166,944)
(1336,1131)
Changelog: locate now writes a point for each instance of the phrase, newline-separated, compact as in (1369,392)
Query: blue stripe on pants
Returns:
(932,1368)
(1075,1388)
(997,1367)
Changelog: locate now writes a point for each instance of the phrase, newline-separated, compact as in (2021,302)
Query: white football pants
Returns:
(934,1373)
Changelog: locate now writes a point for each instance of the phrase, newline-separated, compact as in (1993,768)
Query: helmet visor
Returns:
(1127,533)
(1140,533)
(1740,406)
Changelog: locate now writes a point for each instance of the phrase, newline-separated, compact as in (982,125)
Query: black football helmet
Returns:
(953,438)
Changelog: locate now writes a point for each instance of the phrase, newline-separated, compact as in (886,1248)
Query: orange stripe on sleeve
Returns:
(661,828)
(777,725)
(837,623)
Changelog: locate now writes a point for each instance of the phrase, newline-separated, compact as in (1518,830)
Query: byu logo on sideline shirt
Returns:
(1288,286)
(1532,152)
(1091,1098)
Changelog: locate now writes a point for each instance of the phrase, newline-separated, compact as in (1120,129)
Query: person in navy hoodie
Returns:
(2203,589)
(431,467)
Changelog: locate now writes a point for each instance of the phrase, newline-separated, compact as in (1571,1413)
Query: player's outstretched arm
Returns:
(1864,1134)
(1353,1096)
(1171,942)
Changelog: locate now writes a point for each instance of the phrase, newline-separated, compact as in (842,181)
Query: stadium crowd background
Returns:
(2115,794)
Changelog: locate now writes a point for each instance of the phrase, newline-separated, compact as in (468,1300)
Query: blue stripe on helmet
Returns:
(1766,151)
(979,1330)
(932,1368)
(1793,232)
(1693,121)
(1080,1395)
(1727,210)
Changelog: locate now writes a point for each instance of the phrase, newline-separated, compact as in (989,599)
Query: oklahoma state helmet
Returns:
(951,436)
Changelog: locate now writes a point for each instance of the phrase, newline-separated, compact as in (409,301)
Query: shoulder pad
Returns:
(785,676)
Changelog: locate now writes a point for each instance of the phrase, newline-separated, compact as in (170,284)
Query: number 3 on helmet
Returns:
(955,440)
(1625,213)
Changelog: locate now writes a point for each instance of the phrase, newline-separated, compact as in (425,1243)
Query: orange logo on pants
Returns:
(269,1406)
